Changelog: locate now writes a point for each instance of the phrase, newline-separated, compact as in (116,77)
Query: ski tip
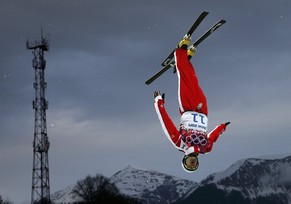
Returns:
(203,14)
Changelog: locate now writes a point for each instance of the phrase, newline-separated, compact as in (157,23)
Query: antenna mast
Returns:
(40,172)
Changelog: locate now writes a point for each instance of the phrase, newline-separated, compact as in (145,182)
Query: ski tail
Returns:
(197,22)
(190,32)
(169,62)
(208,32)
(160,72)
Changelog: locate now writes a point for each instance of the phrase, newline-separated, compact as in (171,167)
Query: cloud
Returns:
(101,117)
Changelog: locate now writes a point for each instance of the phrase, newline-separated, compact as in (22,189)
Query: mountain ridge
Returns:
(252,180)
(247,180)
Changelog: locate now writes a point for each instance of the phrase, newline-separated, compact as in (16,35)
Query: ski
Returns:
(190,32)
(160,72)
(208,32)
(196,43)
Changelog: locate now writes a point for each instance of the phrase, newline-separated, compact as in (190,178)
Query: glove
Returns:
(226,124)
(158,93)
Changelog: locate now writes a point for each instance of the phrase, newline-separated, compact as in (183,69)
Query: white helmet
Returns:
(190,162)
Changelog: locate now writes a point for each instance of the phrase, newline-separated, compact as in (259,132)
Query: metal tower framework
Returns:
(40,172)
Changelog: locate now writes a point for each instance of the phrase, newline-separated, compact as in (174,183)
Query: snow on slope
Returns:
(140,183)
(254,161)
(255,177)
(149,186)
(65,196)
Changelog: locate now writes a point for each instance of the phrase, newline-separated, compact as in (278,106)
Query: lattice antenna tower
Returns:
(40,171)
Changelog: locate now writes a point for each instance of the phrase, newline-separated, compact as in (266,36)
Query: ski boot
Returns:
(191,51)
(185,42)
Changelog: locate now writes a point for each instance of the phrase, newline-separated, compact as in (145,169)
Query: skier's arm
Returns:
(168,126)
(214,134)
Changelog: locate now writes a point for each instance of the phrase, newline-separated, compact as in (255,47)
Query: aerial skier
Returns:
(192,137)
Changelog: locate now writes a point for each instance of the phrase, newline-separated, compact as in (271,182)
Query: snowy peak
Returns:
(65,196)
(245,165)
(148,186)
(255,177)
(151,186)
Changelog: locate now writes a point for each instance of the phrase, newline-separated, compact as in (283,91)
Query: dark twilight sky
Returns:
(101,116)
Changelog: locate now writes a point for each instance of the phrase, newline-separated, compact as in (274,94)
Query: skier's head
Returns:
(190,162)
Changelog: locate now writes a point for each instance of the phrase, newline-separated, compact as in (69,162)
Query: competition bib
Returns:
(195,121)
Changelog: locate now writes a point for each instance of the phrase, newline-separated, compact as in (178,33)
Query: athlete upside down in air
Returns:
(192,137)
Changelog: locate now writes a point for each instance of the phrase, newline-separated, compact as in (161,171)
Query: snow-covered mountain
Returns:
(65,196)
(151,186)
(148,186)
(254,180)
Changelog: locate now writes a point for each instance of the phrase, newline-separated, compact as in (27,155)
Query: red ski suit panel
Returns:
(174,135)
(189,95)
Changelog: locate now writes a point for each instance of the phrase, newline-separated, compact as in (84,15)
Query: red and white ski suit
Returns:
(193,122)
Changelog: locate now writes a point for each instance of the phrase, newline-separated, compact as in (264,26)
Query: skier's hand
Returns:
(158,93)
(226,124)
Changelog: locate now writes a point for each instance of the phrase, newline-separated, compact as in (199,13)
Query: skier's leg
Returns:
(190,94)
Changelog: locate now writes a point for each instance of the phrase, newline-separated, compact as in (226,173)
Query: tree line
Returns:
(99,190)
(93,190)
(6,201)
